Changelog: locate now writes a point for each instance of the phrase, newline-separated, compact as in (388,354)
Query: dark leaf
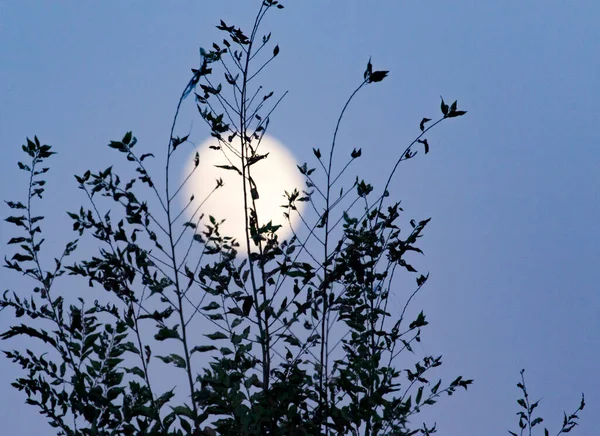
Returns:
(230,168)
(377,76)
(203,348)
(247,305)
(536,421)
(17,240)
(216,335)
(422,124)
(127,138)
(456,114)
(144,156)
(17,205)
(257,157)
(166,333)
(369,70)
(444,107)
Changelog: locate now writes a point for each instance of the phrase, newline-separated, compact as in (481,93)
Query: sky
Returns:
(512,187)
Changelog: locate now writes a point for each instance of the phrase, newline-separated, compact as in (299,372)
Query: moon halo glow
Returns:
(273,176)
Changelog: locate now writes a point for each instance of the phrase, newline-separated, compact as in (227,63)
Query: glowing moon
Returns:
(274,175)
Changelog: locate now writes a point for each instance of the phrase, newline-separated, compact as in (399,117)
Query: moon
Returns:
(273,176)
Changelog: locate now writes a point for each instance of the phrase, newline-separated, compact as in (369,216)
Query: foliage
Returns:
(527,419)
(297,334)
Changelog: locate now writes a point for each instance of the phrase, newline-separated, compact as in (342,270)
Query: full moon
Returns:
(273,176)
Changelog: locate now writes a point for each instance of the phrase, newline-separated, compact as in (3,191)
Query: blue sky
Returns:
(512,187)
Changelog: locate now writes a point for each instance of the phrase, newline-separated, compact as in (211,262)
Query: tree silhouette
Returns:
(291,337)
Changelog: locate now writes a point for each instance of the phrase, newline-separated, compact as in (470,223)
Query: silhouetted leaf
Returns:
(444,107)
(15,205)
(456,114)
(229,168)
(378,76)
(422,124)
(203,348)
(216,336)
(167,333)
(247,305)
(127,138)
(369,70)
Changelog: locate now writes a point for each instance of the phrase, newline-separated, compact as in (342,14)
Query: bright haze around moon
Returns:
(274,175)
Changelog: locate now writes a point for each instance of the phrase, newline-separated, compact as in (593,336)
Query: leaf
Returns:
(175,359)
(225,351)
(369,70)
(117,145)
(28,331)
(21,257)
(16,220)
(422,124)
(178,141)
(292,340)
(377,76)
(276,51)
(127,138)
(203,348)
(236,322)
(408,267)
(419,395)
(444,107)
(456,114)
(536,421)
(356,153)
(17,240)
(425,144)
(216,336)
(144,156)
(211,306)
(184,411)
(167,333)
(17,205)
(247,305)
(229,168)
(257,157)
(420,322)
(317,153)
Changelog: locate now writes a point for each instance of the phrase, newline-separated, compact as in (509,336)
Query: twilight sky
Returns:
(513,187)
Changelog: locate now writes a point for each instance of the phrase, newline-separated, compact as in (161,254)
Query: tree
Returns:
(302,340)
